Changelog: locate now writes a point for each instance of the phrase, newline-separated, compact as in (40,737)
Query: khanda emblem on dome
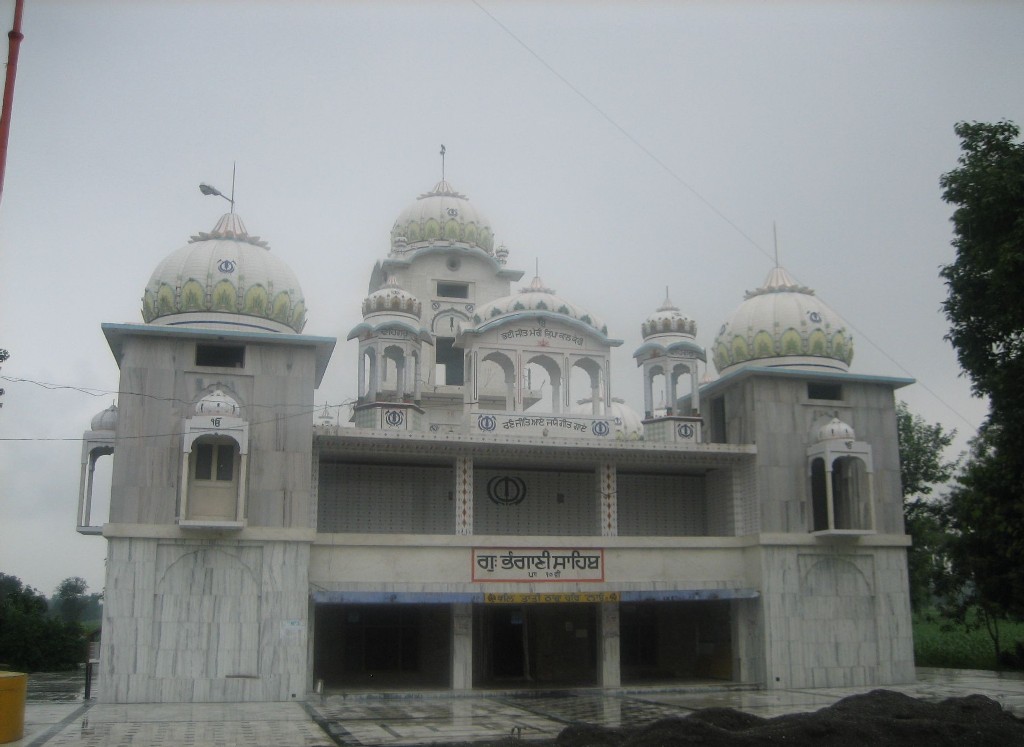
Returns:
(226,266)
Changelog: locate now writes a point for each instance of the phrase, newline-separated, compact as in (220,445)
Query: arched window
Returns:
(214,467)
(841,485)
(819,495)
(841,497)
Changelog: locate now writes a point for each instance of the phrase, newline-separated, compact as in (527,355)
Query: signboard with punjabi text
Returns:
(535,564)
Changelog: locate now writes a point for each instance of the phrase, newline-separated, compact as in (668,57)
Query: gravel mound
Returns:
(879,718)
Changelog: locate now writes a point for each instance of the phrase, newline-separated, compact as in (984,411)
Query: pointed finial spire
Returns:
(775,238)
(443,150)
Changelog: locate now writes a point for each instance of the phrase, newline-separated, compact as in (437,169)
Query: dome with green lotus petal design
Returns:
(225,279)
(783,323)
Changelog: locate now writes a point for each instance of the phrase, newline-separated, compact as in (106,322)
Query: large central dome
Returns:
(442,214)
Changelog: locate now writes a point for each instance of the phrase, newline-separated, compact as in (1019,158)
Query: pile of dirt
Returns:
(879,718)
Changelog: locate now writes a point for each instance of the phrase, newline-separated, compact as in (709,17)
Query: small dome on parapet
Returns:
(668,320)
(105,420)
(834,430)
(218,403)
(628,424)
(392,299)
(537,297)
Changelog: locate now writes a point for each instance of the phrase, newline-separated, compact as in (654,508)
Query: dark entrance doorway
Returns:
(535,644)
(666,641)
(382,646)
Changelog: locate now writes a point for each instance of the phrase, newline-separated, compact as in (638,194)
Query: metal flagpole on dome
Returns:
(442,161)
(14,44)
(775,240)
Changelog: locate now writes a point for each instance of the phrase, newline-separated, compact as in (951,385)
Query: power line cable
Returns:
(690,188)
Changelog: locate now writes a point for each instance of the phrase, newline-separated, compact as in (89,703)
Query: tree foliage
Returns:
(70,600)
(984,513)
(922,446)
(30,639)
(983,579)
(922,467)
(986,279)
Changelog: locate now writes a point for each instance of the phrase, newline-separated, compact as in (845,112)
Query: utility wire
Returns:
(177,434)
(690,188)
(96,392)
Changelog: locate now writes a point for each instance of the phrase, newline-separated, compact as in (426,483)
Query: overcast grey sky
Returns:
(605,141)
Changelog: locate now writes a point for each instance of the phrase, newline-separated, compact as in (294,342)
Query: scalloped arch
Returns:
(764,345)
(192,296)
(224,297)
(256,300)
(791,342)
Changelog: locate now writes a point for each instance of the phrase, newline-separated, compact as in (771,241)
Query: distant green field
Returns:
(958,649)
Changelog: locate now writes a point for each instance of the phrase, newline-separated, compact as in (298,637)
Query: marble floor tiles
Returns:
(391,720)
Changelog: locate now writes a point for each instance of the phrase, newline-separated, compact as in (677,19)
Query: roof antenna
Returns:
(208,189)
(443,149)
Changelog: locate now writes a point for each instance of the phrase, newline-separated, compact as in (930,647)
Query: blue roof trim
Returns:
(446,247)
(397,597)
(657,347)
(477,597)
(802,373)
(498,321)
(688,595)
(324,346)
(422,332)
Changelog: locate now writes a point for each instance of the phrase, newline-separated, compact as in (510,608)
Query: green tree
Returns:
(985,511)
(30,639)
(69,600)
(986,279)
(922,467)
(982,582)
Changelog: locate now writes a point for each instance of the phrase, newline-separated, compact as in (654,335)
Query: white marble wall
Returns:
(204,621)
(836,616)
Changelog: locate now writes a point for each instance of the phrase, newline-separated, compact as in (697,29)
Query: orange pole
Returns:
(14,44)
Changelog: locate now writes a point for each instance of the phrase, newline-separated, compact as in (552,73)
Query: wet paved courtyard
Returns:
(56,714)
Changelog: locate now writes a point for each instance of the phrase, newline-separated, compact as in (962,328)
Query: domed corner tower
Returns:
(783,324)
(391,338)
(826,482)
(443,253)
(211,504)
(227,280)
(668,353)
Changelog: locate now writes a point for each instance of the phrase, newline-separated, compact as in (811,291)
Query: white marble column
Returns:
(611,672)
(462,646)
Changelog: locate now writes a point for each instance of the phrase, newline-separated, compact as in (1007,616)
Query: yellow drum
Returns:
(12,705)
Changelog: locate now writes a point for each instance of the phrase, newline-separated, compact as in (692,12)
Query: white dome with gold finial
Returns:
(442,215)
(225,279)
(783,323)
